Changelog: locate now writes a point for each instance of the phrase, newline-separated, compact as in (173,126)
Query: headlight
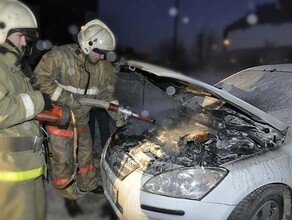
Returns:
(188,183)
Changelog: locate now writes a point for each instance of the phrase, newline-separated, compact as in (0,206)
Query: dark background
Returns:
(185,35)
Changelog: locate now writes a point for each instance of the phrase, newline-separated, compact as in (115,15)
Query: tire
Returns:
(265,203)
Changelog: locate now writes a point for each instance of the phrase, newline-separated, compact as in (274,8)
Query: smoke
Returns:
(193,129)
(195,137)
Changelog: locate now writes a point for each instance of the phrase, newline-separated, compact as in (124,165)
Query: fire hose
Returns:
(127,112)
(56,115)
(60,115)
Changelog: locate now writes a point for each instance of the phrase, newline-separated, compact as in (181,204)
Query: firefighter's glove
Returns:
(47,100)
(121,121)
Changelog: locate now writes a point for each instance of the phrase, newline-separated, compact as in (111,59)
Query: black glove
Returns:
(48,102)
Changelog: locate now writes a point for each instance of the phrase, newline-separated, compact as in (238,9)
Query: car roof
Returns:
(249,109)
(268,87)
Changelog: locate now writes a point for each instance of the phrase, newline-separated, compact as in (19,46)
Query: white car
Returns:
(215,152)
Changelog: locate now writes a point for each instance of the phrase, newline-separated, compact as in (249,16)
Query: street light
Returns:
(174,12)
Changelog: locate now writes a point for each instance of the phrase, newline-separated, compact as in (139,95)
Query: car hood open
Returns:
(196,124)
(245,107)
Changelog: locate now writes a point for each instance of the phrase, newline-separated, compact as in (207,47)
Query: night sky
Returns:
(143,24)
(259,31)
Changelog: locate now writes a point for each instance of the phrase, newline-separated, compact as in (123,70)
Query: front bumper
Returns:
(129,202)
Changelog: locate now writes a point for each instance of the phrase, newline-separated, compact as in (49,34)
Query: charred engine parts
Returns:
(195,135)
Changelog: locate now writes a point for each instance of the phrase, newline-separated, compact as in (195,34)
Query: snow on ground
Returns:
(94,207)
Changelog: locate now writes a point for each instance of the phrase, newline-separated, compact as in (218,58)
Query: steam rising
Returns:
(193,129)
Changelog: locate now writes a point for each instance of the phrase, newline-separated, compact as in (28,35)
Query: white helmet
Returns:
(96,35)
(16,16)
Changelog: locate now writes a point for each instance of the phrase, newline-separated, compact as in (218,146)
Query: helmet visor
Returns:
(96,50)
(31,34)
(31,37)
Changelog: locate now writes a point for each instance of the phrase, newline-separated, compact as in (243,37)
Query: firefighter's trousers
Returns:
(22,194)
(22,200)
(61,147)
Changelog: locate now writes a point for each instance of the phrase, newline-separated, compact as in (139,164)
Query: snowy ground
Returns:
(94,207)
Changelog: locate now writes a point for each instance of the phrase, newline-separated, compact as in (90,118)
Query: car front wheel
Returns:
(265,203)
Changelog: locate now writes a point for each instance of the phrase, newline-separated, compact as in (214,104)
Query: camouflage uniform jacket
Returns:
(19,103)
(65,73)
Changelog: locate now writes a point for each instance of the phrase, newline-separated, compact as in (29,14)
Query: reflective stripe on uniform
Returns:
(60,182)
(57,93)
(62,132)
(86,169)
(28,104)
(92,91)
(83,170)
(20,176)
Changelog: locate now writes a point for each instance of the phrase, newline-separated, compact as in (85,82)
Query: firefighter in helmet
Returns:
(68,73)
(21,159)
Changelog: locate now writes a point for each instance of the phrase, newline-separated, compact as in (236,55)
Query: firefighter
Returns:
(21,159)
(68,73)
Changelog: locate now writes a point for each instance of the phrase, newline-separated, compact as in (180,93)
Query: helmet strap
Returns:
(18,53)
(88,74)
(31,37)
